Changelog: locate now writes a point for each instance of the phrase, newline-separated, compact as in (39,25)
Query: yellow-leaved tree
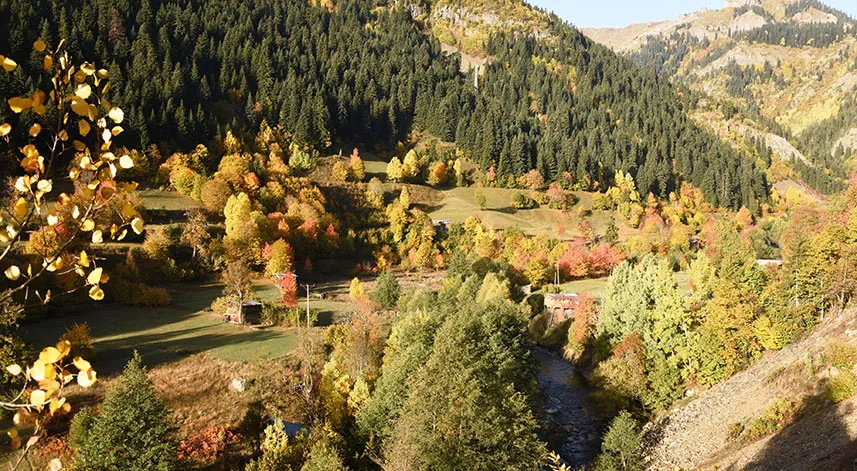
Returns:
(66,143)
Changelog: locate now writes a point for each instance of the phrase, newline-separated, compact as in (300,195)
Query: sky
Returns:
(618,13)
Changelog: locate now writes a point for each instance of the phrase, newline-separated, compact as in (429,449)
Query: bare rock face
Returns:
(743,3)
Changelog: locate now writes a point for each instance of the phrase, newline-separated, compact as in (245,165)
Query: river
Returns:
(566,409)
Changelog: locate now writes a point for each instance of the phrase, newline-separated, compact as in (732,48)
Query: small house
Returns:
(769,263)
(250,312)
(560,307)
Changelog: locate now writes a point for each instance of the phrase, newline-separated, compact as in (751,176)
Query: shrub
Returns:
(777,416)
(522,201)
(207,445)
(150,296)
(735,431)
(80,338)
(841,386)
(840,355)
(386,291)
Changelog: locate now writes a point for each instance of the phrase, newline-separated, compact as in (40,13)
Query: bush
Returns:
(522,201)
(150,296)
(841,386)
(279,315)
(735,431)
(80,338)
(840,355)
(776,417)
(387,291)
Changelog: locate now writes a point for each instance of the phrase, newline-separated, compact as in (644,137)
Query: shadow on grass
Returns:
(162,335)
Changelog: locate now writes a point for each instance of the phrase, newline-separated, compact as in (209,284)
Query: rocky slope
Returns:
(791,63)
(701,434)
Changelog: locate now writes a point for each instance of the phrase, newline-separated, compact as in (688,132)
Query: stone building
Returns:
(560,307)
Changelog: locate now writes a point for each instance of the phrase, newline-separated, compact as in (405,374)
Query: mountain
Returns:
(336,73)
(788,67)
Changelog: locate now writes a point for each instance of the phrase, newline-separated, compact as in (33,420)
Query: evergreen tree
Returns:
(133,430)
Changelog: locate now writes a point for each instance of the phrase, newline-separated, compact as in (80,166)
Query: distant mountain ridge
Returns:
(790,67)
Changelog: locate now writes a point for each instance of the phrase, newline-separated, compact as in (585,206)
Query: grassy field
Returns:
(167,200)
(171,334)
(596,286)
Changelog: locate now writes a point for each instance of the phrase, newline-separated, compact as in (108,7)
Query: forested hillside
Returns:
(790,67)
(368,73)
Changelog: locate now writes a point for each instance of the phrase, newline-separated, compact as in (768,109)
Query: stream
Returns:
(566,410)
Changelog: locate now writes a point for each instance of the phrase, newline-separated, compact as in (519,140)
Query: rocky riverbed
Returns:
(567,409)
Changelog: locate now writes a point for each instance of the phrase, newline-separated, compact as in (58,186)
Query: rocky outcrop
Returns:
(743,3)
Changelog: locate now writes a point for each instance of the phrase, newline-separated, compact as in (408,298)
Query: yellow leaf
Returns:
(20,418)
(13,272)
(117,130)
(126,161)
(48,62)
(64,347)
(84,259)
(137,225)
(94,276)
(14,370)
(96,293)
(97,237)
(102,73)
(12,433)
(79,106)
(39,45)
(45,186)
(87,68)
(106,135)
(86,378)
(8,64)
(37,397)
(39,371)
(22,184)
(87,225)
(128,210)
(20,209)
(49,355)
(81,364)
(55,465)
(83,127)
(53,219)
(35,129)
(83,90)
(5,129)
(19,104)
(117,115)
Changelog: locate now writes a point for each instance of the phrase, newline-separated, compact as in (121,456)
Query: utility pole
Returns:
(307,286)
